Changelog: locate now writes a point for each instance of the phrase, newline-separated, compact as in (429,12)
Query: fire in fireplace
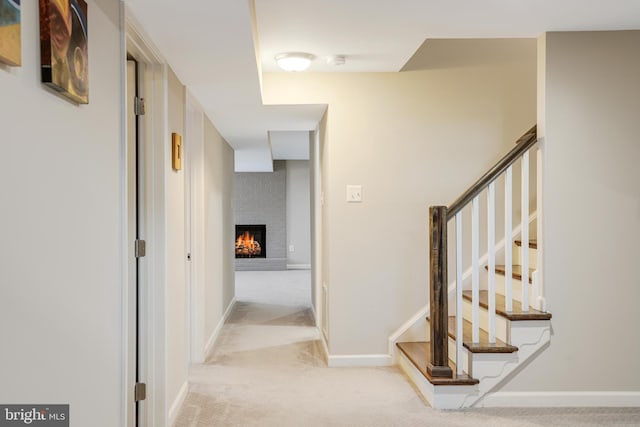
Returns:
(251,241)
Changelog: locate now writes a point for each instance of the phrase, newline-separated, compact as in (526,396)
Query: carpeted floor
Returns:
(268,369)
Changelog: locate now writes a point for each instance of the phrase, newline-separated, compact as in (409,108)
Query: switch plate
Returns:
(354,193)
(292,248)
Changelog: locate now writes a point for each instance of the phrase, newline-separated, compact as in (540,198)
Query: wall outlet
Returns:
(354,193)
(292,248)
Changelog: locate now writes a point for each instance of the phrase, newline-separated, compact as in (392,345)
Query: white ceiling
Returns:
(219,47)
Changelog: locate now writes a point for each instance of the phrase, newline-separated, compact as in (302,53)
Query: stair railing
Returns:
(439,216)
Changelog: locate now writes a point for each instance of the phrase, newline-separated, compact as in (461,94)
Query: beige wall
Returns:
(591,214)
(298,212)
(176,337)
(410,139)
(62,225)
(219,227)
(218,280)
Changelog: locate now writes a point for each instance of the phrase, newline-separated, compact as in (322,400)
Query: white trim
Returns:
(153,227)
(359,360)
(298,266)
(128,304)
(216,333)
(174,410)
(316,224)
(325,348)
(560,399)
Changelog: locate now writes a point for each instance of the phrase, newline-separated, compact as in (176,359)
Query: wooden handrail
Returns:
(525,142)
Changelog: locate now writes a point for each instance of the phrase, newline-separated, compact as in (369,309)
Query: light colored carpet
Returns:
(268,369)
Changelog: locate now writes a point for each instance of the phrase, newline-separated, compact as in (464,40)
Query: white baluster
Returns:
(508,247)
(475,284)
(459,286)
(539,223)
(524,249)
(491,239)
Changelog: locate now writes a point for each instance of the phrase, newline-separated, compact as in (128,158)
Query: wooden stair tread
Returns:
(419,353)
(516,271)
(533,243)
(516,314)
(483,346)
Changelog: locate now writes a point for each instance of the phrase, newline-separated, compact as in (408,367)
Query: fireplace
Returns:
(251,241)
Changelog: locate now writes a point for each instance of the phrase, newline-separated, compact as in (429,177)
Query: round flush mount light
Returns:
(294,61)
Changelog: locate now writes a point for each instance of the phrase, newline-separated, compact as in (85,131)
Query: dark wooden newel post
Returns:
(439,366)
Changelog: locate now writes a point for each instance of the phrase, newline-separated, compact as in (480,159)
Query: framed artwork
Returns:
(64,58)
(10,28)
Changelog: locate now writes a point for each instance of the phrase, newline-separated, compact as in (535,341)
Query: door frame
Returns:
(154,154)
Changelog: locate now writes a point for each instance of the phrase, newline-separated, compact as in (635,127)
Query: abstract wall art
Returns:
(64,48)
(10,40)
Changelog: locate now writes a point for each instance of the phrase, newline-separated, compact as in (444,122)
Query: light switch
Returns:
(354,193)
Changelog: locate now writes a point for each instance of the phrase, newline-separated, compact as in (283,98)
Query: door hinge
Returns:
(140,248)
(139,106)
(140,392)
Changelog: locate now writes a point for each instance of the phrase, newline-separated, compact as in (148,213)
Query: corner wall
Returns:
(219,228)
(591,218)
(62,225)
(298,195)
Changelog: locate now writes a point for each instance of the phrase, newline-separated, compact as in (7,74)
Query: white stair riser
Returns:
(517,258)
(516,286)
(440,397)
(502,324)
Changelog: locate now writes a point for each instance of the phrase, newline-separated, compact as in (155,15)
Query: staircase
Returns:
(498,319)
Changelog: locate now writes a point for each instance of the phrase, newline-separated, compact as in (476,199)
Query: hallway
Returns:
(268,369)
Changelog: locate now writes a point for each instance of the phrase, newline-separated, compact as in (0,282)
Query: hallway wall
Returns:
(176,302)
(411,139)
(219,228)
(61,228)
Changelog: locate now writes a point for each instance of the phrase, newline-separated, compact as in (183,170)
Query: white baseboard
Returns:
(359,360)
(174,410)
(216,333)
(298,266)
(562,399)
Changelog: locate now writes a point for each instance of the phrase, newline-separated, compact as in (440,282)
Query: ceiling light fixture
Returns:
(294,61)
